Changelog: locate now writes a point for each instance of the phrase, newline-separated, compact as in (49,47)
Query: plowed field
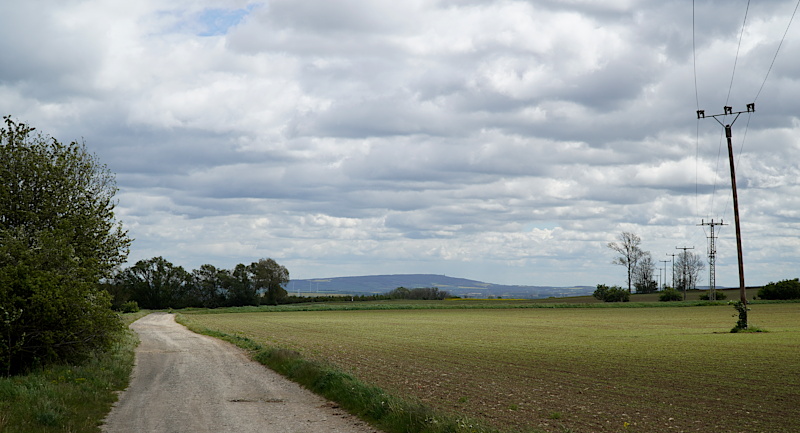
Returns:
(556,370)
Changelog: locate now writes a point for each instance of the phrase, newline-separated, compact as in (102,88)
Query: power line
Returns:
(773,58)
(694,61)
(736,59)
(697,128)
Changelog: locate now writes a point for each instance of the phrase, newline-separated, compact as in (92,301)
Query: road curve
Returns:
(186,382)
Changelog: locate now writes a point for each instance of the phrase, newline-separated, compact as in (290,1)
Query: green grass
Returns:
(653,368)
(66,398)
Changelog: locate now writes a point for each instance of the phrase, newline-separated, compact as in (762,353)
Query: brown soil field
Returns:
(562,369)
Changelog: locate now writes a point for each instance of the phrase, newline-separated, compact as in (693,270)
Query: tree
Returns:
(58,239)
(206,289)
(156,283)
(611,294)
(785,289)
(688,267)
(269,278)
(239,287)
(419,293)
(629,253)
(643,275)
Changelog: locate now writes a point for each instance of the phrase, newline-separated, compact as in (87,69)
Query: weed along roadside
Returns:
(68,398)
(539,369)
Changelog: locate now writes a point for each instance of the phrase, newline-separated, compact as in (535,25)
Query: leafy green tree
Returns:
(270,278)
(239,288)
(629,253)
(611,294)
(58,239)
(786,289)
(400,293)
(156,284)
(206,287)
(419,293)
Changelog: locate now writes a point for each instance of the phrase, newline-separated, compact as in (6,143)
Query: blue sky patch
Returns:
(215,22)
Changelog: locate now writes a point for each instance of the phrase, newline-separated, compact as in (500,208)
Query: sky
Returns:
(502,141)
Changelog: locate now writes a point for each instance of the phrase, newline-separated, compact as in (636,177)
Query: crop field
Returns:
(562,369)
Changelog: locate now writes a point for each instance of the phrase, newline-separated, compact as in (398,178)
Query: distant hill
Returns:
(377,284)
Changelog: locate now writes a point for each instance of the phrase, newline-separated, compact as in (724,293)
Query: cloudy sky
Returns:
(503,141)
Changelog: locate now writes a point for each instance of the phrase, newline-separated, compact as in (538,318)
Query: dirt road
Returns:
(185,382)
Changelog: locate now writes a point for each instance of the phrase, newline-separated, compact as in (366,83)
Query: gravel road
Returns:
(186,382)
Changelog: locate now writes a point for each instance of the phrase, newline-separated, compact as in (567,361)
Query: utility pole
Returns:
(665,272)
(684,280)
(728,111)
(659,276)
(712,259)
(673,268)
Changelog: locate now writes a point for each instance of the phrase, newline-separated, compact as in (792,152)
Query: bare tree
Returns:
(688,267)
(643,275)
(629,253)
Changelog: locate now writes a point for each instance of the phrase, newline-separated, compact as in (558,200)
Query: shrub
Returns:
(670,295)
(707,296)
(601,291)
(130,307)
(611,294)
(786,289)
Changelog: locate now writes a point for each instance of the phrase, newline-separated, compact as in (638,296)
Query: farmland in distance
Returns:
(562,369)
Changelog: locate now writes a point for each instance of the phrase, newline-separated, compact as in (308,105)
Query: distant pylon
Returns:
(712,259)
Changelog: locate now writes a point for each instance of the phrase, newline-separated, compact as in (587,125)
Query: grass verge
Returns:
(68,398)
(370,403)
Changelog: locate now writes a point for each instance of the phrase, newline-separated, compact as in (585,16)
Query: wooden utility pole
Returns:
(665,273)
(684,278)
(751,108)
(673,268)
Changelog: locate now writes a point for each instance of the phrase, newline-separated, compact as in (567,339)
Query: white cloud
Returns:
(505,141)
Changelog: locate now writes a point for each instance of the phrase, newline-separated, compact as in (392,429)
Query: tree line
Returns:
(158,284)
(419,293)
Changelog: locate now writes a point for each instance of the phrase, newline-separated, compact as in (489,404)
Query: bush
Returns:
(58,240)
(670,295)
(707,296)
(611,294)
(130,307)
(786,289)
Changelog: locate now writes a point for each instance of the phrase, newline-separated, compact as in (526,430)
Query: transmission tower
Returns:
(684,279)
(712,259)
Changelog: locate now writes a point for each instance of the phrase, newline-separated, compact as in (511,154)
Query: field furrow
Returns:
(588,370)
